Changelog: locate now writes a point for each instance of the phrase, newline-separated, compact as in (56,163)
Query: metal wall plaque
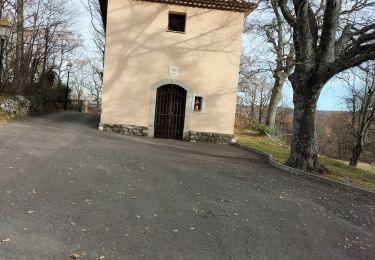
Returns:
(173,71)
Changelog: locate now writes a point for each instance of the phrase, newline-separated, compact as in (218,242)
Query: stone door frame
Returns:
(189,100)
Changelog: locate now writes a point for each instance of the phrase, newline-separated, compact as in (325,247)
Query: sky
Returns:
(82,25)
(330,99)
(332,96)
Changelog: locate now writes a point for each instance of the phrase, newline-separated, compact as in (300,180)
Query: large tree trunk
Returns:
(274,102)
(260,113)
(252,110)
(18,72)
(304,149)
(1,8)
(356,152)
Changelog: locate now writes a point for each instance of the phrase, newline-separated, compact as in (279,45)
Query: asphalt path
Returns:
(66,188)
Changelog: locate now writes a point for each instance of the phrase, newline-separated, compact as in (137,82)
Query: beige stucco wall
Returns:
(139,51)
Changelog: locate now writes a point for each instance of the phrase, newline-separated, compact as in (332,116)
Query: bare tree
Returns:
(1,8)
(253,89)
(361,104)
(369,151)
(38,30)
(19,62)
(263,96)
(96,86)
(98,12)
(246,88)
(78,85)
(333,134)
(278,35)
(98,25)
(329,37)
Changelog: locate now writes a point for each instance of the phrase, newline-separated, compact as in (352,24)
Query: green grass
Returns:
(280,153)
(367,167)
(363,176)
(3,117)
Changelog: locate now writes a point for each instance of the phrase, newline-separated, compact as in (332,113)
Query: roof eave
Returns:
(247,8)
(241,7)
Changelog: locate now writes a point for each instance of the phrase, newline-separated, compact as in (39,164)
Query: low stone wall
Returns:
(207,137)
(15,107)
(124,129)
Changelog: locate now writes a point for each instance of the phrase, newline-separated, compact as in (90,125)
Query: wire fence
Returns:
(280,133)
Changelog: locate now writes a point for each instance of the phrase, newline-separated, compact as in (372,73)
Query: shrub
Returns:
(3,117)
(262,129)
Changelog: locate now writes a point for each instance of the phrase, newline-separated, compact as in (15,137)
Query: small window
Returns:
(198,104)
(177,22)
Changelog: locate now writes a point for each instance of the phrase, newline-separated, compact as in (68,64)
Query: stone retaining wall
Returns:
(208,137)
(15,107)
(124,129)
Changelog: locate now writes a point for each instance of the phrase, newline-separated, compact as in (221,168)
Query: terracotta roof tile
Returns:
(227,5)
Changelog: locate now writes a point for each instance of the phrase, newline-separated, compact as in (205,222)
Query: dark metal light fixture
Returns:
(69,66)
(4,27)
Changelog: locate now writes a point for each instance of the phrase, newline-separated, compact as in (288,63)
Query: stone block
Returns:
(210,137)
(126,129)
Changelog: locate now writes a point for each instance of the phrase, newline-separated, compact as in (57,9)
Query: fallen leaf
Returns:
(75,256)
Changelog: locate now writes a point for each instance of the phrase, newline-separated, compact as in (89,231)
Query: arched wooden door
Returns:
(170,112)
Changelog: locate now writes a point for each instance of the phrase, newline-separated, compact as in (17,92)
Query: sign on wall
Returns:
(173,71)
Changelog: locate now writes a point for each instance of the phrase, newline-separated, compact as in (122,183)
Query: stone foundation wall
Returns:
(124,129)
(194,136)
(207,137)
